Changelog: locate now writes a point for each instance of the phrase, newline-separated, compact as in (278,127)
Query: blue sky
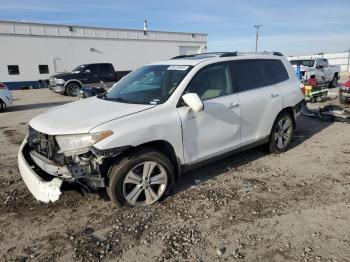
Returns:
(292,27)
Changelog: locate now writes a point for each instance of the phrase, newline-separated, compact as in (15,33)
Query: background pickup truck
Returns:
(86,75)
(318,68)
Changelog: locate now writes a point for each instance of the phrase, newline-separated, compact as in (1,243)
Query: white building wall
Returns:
(63,47)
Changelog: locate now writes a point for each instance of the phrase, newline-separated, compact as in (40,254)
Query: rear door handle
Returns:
(275,94)
(233,105)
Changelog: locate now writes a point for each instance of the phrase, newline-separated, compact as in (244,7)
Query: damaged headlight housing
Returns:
(80,143)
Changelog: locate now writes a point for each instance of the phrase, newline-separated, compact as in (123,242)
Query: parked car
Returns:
(318,68)
(344,92)
(160,121)
(5,97)
(86,92)
(98,74)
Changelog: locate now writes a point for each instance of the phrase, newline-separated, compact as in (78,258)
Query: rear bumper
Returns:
(41,189)
(58,89)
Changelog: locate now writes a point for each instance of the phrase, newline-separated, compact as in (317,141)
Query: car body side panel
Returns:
(215,129)
(159,123)
(260,108)
(290,89)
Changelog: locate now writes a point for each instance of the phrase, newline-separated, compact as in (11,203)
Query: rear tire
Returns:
(140,179)
(281,133)
(72,89)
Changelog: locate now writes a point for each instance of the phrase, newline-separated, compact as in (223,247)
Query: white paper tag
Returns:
(177,67)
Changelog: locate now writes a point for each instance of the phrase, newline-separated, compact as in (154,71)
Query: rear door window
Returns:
(247,75)
(106,68)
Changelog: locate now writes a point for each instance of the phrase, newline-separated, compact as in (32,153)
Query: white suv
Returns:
(158,122)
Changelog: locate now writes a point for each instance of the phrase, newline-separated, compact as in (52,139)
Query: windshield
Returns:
(78,69)
(308,62)
(152,84)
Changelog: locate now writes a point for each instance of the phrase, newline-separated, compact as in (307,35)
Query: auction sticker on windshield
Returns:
(177,67)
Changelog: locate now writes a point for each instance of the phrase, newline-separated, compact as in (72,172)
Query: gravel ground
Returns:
(248,207)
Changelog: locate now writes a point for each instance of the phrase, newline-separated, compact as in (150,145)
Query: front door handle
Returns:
(233,105)
(275,94)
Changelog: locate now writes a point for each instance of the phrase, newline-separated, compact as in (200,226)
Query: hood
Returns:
(82,116)
(63,75)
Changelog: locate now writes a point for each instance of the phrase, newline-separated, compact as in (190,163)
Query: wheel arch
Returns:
(73,81)
(162,146)
(2,102)
(289,110)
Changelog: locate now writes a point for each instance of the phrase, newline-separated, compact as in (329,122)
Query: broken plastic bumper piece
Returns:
(42,190)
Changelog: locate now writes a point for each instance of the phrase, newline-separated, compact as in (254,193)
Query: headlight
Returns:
(60,81)
(80,143)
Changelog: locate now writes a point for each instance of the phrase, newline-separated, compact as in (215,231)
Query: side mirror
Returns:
(193,101)
(87,71)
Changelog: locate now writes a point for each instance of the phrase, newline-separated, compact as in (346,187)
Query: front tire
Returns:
(281,133)
(140,179)
(73,89)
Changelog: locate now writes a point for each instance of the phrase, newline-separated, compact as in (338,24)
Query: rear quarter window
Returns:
(274,71)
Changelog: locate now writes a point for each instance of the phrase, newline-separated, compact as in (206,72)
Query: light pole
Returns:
(348,60)
(257,27)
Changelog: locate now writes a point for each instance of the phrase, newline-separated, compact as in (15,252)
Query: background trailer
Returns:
(31,51)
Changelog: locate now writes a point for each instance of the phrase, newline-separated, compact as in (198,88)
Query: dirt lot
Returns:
(250,207)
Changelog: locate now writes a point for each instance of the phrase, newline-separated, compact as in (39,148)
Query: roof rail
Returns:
(261,53)
(179,56)
(196,55)
(227,54)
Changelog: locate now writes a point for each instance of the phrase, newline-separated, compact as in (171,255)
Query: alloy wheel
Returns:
(283,132)
(145,184)
(73,89)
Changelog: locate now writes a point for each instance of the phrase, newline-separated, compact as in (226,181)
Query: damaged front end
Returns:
(45,161)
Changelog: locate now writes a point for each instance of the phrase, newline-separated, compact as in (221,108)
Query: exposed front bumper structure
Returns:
(41,189)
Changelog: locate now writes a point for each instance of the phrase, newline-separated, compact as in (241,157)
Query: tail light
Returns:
(302,88)
(3,86)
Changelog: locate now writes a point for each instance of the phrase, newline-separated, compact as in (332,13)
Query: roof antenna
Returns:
(145,27)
